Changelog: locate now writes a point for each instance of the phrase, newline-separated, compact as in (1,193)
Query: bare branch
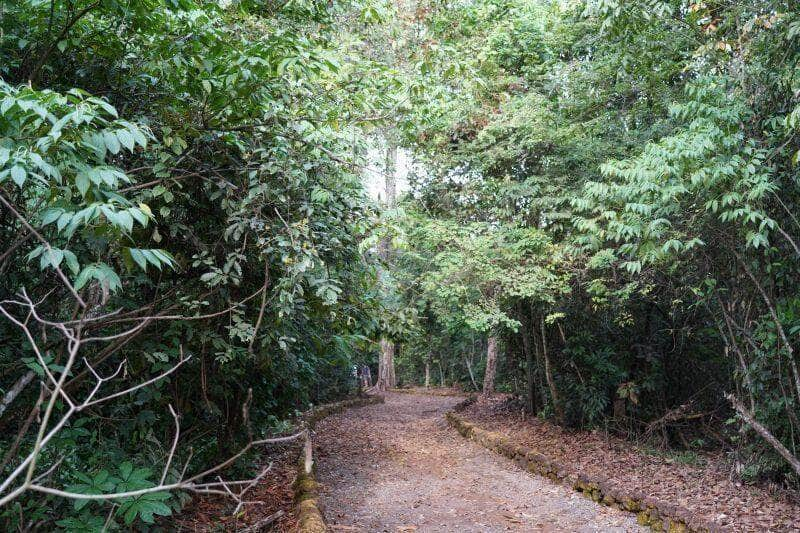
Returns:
(263,523)
(765,433)
(137,387)
(73,335)
(174,444)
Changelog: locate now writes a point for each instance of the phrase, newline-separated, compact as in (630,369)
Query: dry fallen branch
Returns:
(764,432)
(16,483)
(261,524)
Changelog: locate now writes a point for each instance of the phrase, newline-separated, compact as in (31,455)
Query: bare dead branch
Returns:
(261,524)
(174,445)
(765,433)
(72,334)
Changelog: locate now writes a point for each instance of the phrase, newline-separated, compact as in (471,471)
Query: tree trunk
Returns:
(491,366)
(386,374)
(428,373)
(390,185)
(774,314)
(551,384)
(386,378)
(735,346)
(471,374)
(530,389)
(390,365)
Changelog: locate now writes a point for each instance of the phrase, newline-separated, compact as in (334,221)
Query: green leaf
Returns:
(126,139)
(63,220)
(85,275)
(52,257)
(125,469)
(164,257)
(100,483)
(145,507)
(51,215)
(6,104)
(138,257)
(111,142)
(85,523)
(152,258)
(82,182)
(140,217)
(72,262)
(138,136)
(125,220)
(18,175)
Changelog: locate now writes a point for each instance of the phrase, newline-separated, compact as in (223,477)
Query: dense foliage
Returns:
(650,146)
(182,178)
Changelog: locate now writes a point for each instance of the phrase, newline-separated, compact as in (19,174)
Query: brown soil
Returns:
(398,467)
(708,492)
(433,391)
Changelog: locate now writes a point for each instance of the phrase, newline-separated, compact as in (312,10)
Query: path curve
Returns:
(398,466)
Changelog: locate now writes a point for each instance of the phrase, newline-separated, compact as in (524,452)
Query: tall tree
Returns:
(386,370)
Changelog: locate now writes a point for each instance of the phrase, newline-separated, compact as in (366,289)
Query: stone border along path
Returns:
(398,467)
(306,489)
(658,515)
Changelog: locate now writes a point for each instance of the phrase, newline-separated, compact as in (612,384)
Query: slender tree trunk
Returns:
(537,354)
(471,374)
(738,352)
(469,359)
(390,185)
(491,366)
(530,388)
(441,375)
(774,314)
(551,384)
(386,374)
(386,379)
(428,373)
(390,365)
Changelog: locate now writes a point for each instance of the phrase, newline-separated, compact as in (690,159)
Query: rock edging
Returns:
(310,518)
(657,514)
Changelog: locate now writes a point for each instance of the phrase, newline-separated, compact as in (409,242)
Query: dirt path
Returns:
(398,467)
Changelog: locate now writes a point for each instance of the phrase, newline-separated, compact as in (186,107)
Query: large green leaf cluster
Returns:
(195,163)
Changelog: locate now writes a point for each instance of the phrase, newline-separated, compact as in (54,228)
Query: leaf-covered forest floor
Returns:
(397,466)
(272,494)
(706,489)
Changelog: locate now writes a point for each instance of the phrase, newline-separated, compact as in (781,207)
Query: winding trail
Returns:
(398,467)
